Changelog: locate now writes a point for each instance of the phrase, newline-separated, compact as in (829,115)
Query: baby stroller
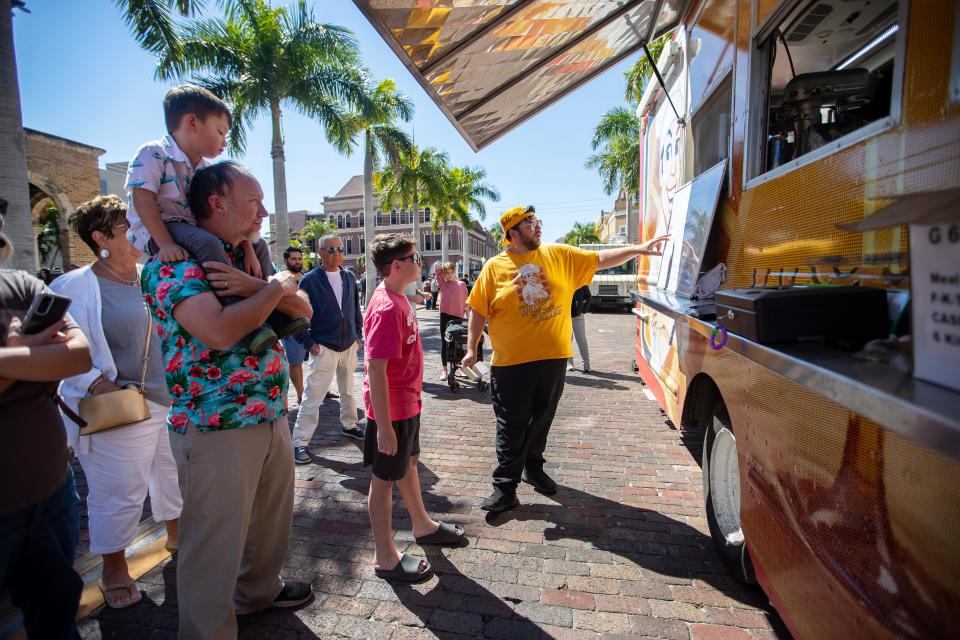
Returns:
(456,339)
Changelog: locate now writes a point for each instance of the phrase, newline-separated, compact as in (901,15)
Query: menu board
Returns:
(694,206)
(935,281)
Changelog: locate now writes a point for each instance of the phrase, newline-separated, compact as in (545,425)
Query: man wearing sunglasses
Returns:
(333,340)
(525,292)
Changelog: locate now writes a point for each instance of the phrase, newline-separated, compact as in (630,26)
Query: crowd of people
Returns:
(209,337)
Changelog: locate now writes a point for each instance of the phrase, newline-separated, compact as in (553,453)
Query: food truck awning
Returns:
(492,64)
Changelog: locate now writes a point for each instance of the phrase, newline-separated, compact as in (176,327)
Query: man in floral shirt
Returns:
(228,429)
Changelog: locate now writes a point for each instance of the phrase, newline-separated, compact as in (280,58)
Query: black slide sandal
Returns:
(445,534)
(407,571)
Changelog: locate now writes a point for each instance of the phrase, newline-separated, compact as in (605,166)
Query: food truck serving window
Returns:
(826,74)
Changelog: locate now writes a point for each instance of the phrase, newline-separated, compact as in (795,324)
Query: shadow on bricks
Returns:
(359,481)
(646,538)
(156,615)
(468,609)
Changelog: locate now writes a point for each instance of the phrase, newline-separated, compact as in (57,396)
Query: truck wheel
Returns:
(721,494)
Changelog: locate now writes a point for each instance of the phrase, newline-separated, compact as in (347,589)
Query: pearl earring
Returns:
(104,253)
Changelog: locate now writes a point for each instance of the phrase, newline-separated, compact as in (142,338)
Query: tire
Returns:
(721,495)
(454,385)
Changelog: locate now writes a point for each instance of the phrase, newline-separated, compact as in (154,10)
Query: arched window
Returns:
(360,219)
(347,221)
(340,222)
(426,242)
(393,217)
(426,214)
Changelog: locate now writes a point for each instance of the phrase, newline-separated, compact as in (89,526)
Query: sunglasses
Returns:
(332,250)
(413,257)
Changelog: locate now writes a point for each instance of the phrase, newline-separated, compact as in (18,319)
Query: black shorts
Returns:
(408,444)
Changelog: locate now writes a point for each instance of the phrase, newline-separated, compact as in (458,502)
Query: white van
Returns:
(611,287)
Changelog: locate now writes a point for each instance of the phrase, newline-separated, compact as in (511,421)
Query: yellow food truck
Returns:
(791,145)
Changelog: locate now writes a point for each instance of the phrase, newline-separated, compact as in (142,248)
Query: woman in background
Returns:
(452,302)
(122,464)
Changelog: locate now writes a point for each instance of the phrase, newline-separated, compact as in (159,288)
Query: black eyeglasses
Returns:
(332,250)
(413,257)
(529,209)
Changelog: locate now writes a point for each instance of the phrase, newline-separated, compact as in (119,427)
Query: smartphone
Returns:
(47,308)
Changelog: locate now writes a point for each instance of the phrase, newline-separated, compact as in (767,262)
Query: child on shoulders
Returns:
(158,179)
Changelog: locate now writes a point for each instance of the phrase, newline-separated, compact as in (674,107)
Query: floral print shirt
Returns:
(214,390)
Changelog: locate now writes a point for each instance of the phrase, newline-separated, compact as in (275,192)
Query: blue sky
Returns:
(83,77)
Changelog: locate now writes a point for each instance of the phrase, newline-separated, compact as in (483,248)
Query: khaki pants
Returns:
(320,371)
(237,488)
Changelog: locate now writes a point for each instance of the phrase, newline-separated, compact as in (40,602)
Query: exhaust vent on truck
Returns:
(809,22)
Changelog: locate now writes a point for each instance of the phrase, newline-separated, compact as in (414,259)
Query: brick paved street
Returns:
(621,551)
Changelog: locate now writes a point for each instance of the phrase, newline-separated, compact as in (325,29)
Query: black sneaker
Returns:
(541,482)
(292,594)
(261,340)
(295,327)
(301,455)
(500,500)
(355,432)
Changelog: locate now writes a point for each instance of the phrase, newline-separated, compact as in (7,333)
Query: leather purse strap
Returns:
(146,351)
(68,411)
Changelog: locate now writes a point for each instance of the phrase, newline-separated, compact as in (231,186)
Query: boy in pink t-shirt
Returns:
(393,368)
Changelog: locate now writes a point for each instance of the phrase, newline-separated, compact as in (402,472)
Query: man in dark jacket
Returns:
(333,340)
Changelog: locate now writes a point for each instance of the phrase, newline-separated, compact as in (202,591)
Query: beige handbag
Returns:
(117,408)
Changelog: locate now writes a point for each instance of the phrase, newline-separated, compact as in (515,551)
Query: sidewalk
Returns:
(621,551)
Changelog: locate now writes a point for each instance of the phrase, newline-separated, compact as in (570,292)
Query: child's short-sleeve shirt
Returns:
(163,168)
(391,332)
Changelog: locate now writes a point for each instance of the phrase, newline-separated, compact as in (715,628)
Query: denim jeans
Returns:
(37,546)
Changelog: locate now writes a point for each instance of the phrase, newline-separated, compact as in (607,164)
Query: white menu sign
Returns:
(935,281)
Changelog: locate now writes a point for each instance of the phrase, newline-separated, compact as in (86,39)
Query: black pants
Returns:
(446,350)
(525,398)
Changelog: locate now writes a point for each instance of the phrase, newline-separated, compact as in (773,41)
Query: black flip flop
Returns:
(407,571)
(445,534)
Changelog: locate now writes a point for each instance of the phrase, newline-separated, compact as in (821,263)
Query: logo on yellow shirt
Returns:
(533,288)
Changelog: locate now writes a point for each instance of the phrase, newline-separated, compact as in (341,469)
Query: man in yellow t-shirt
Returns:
(525,293)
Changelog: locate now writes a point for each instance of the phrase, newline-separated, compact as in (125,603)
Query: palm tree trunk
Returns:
(633,227)
(444,243)
(368,217)
(13,158)
(281,223)
(416,225)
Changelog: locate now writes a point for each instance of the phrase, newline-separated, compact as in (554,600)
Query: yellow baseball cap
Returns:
(512,217)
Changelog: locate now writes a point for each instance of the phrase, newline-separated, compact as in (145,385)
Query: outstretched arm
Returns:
(616,257)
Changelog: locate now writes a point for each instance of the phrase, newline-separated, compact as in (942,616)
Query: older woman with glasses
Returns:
(124,464)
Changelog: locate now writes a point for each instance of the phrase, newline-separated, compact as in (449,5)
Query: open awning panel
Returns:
(492,64)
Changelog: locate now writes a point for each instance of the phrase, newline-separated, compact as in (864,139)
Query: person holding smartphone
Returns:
(39,525)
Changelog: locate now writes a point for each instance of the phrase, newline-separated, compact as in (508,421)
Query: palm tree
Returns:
(383,143)
(618,161)
(496,231)
(316,229)
(419,177)
(13,159)
(464,191)
(639,74)
(582,233)
(261,60)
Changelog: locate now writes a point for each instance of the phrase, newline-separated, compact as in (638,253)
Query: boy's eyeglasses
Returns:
(332,250)
(413,257)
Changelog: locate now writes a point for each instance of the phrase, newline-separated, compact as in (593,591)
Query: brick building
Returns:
(345,209)
(611,224)
(65,173)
